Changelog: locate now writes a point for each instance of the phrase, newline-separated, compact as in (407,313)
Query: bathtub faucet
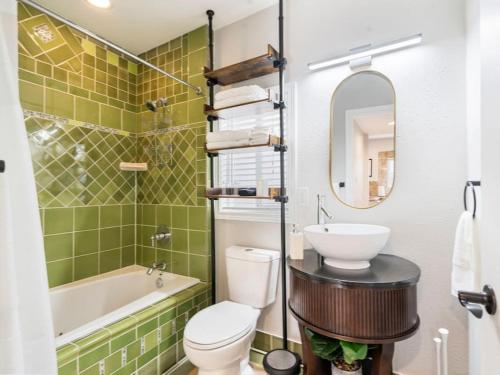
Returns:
(162,266)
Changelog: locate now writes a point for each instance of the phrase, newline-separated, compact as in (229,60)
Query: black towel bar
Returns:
(471,184)
(2,166)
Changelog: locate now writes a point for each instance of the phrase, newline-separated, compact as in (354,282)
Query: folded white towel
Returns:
(227,144)
(260,131)
(251,90)
(259,140)
(229,135)
(464,264)
(237,100)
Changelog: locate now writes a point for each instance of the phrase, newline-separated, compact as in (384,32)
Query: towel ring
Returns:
(471,184)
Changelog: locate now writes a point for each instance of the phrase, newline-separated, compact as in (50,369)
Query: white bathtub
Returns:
(84,306)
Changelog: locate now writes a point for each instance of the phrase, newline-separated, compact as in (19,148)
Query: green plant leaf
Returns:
(322,346)
(353,351)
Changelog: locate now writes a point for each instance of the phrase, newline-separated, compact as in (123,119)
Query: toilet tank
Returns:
(252,275)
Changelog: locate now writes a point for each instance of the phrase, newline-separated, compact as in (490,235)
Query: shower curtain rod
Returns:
(110,44)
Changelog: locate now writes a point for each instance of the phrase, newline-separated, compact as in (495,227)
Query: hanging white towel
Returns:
(463,266)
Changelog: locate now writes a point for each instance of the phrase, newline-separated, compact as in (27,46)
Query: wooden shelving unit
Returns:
(253,68)
(273,140)
(271,62)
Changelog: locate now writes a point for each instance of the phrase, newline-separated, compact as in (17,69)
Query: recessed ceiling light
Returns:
(100,3)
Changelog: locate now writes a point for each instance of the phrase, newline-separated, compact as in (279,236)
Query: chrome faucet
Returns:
(162,234)
(162,266)
(322,212)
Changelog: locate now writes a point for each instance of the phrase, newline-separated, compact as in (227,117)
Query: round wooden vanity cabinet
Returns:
(377,305)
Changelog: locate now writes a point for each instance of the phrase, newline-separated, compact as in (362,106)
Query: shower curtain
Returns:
(27,343)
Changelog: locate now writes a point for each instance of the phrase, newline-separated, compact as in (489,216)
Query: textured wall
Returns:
(430,169)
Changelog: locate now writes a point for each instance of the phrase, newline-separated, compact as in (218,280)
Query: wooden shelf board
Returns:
(256,67)
(236,197)
(273,140)
(226,112)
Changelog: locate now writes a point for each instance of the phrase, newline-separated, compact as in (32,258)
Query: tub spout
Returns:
(162,266)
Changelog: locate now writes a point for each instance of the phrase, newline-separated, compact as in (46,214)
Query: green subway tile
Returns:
(86,218)
(164,215)
(60,54)
(44,69)
(98,98)
(112,58)
(59,103)
(60,272)
(179,114)
(31,96)
(180,240)
(197,61)
(167,359)
(110,216)
(198,242)
(110,117)
(58,246)
(169,314)
(60,75)
(150,369)
(121,326)
(128,255)
(167,330)
(128,235)
(68,369)
(198,218)
(179,217)
(128,214)
(110,238)
(169,342)
(70,38)
(128,369)
(129,121)
(93,357)
(113,363)
(92,341)
(88,47)
(147,327)
(58,220)
(123,340)
(86,266)
(86,242)
(198,38)
(89,60)
(151,340)
(67,353)
(146,357)
(30,77)
(133,350)
(93,370)
(52,83)
(180,263)
(87,111)
(199,267)
(79,92)
(195,110)
(148,214)
(109,260)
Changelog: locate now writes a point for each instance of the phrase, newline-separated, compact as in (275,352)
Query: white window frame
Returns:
(271,216)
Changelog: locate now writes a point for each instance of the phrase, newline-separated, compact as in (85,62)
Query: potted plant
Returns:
(346,356)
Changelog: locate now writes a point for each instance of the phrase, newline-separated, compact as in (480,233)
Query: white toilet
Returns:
(217,339)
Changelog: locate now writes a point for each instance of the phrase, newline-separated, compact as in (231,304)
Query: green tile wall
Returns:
(87,115)
(172,191)
(147,342)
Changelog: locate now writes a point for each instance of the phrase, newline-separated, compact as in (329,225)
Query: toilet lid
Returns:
(219,325)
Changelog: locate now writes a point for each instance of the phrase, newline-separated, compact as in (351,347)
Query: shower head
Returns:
(154,105)
(151,105)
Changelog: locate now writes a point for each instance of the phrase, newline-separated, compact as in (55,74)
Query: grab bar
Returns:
(471,184)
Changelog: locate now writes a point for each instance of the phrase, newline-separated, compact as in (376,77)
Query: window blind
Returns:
(247,167)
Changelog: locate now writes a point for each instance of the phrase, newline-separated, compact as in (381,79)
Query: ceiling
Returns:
(378,123)
(139,25)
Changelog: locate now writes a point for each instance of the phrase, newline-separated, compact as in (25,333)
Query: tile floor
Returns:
(256,371)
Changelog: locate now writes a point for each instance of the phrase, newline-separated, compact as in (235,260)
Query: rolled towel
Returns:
(463,263)
(228,135)
(251,90)
(227,144)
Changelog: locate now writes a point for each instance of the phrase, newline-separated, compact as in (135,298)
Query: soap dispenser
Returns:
(296,244)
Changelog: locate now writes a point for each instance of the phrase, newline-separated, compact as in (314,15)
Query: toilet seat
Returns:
(219,325)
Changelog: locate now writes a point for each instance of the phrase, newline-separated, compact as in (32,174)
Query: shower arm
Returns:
(110,44)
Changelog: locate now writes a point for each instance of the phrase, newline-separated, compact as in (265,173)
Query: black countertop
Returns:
(385,271)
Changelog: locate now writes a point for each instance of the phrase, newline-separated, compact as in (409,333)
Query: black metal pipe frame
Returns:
(210,14)
(282,176)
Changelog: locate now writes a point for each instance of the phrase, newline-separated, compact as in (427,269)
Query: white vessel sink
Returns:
(349,246)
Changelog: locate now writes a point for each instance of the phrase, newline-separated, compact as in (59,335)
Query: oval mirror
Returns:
(362,141)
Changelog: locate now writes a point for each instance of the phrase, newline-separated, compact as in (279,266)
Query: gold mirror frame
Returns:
(330,156)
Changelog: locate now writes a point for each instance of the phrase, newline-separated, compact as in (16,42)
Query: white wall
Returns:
(431,142)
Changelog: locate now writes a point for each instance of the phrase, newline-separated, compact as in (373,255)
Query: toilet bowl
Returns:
(217,339)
